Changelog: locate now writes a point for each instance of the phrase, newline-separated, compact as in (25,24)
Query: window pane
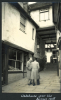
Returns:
(18,65)
(22,27)
(12,54)
(52,45)
(46,15)
(32,33)
(19,56)
(41,16)
(45,45)
(48,45)
(11,64)
(22,20)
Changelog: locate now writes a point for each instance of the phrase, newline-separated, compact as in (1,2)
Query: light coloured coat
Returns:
(28,69)
(35,67)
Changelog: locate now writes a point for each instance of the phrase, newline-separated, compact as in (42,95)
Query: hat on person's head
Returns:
(30,58)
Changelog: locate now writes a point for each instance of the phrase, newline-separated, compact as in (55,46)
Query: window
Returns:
(38,45)
(49,45)
(22,23)
(52,46)
(33,33)
(15,60)
(44,15)
(45,45)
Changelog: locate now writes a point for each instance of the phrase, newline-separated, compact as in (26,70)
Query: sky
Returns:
(31,2)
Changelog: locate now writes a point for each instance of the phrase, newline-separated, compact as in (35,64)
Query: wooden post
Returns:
(23,62)
(60,64)
(6,64)
(57,67)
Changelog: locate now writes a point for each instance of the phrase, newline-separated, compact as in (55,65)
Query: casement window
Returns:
(44,15)
(49,46)
(15,60)
(22,22)
(33,34)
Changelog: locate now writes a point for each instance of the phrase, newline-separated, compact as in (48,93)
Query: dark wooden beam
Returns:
(48,37)
(46,28)
(50,42)
(46,32)
(38,6)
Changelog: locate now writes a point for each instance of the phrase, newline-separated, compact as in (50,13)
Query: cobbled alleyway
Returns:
(49,83)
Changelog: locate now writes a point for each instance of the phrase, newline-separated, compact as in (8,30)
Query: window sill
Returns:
(15,71)
(44,20)
(22,30)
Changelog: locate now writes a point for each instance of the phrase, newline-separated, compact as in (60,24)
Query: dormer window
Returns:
(44,15)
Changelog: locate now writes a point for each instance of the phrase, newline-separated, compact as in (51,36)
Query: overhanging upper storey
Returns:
(42,14)
(20,8)
(38,5)
(48,34)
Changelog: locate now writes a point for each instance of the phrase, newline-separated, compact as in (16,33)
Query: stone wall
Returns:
(12,77)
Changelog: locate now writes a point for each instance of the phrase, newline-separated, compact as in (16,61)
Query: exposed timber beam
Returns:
(46,32)
(46,28)
(50,42)
(48,37)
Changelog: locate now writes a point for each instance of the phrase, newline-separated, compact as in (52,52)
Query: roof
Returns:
(17,5)
(39,5)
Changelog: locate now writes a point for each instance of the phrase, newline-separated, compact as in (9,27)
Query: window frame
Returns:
(21,15)
(32,33)
(43,11)
(15,60)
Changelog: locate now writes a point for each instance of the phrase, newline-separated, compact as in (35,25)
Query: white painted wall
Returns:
(35,16)
(48,54)
(58,35)
(11,26)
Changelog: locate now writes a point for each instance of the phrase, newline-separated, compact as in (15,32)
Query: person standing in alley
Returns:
(35,67)
(28,66)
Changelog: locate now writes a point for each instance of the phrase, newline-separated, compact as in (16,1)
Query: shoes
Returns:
(30,83)
(38,82)
(33,83)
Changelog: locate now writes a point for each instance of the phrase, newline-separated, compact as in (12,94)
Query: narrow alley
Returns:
(31,31)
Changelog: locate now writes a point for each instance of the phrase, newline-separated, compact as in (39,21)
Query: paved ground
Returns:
(49,83)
